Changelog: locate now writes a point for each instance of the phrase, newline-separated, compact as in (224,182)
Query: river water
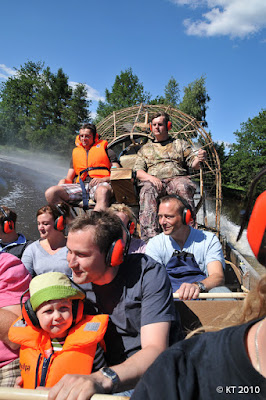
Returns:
(24,179)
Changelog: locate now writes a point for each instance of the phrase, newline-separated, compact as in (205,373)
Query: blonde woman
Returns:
(136,245)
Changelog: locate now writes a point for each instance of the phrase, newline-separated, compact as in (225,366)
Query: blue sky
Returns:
(94,40)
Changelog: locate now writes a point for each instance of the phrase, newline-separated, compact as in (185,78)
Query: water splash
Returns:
(230,231)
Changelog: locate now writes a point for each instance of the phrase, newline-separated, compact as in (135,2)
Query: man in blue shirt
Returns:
(208,262)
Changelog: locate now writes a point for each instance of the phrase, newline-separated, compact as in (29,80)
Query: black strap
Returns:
(92,168)
(85,196)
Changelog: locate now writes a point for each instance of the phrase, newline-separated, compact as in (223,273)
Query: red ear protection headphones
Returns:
(187,212)
(8,225)
(119,248)
(169,126)
(115,255)
(131,227)
(256,230)
(60,222)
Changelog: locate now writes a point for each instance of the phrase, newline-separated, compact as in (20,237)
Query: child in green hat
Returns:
(54,335)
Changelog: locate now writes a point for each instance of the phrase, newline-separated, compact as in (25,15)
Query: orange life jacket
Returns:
(76,357)
(93,158)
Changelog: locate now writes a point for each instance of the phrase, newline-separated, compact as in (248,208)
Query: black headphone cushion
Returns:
(31,314)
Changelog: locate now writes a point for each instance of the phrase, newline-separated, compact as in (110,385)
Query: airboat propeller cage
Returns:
(256,232)
(128,128)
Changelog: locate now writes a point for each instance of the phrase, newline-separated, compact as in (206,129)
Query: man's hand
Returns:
(63,181)
(75,387)
(156,182)
(202,155)
(18,382)
(96,181)
(69,178)
(144,176)
(188,291)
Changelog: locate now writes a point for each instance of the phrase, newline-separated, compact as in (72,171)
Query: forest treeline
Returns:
(40,110)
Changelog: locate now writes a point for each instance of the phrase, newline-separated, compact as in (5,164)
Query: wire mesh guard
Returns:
(126,130)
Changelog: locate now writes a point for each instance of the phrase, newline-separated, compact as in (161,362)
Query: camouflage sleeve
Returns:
(189,154)
(140,162)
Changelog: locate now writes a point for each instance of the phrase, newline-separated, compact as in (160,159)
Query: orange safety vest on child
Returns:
(96,159)
(40,366)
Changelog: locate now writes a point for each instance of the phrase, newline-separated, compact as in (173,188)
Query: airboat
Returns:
(126,130)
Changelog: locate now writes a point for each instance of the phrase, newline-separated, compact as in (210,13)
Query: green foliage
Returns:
(126,92)
(39,110)
(172,92)
(248,156)
(157,100)
(220,148)
(195,100)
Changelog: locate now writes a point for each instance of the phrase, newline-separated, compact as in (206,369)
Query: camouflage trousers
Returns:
(148,201)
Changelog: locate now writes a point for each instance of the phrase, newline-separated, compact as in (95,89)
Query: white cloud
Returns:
(234,18)
(6,72)
(92,94)
(93,114)
(226,144)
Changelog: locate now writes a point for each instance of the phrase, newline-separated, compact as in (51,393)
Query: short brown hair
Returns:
(54,210)
(180,200)
(161,114)
(107,226)
(91,127)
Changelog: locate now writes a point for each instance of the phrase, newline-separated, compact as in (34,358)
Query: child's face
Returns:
(55,317)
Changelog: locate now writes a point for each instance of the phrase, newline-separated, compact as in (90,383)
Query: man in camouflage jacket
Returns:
(161,168)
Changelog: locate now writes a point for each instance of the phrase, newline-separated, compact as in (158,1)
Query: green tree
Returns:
(78,110)
(17,95)
(220,148)
(223,157)
(195,100)
(126,92)
(157,100)
(248,156)
(172,92)
(40,109)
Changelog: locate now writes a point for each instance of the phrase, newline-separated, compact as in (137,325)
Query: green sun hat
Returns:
(52,286)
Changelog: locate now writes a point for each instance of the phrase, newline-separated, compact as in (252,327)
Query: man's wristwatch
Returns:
(111,374)
(202,287)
